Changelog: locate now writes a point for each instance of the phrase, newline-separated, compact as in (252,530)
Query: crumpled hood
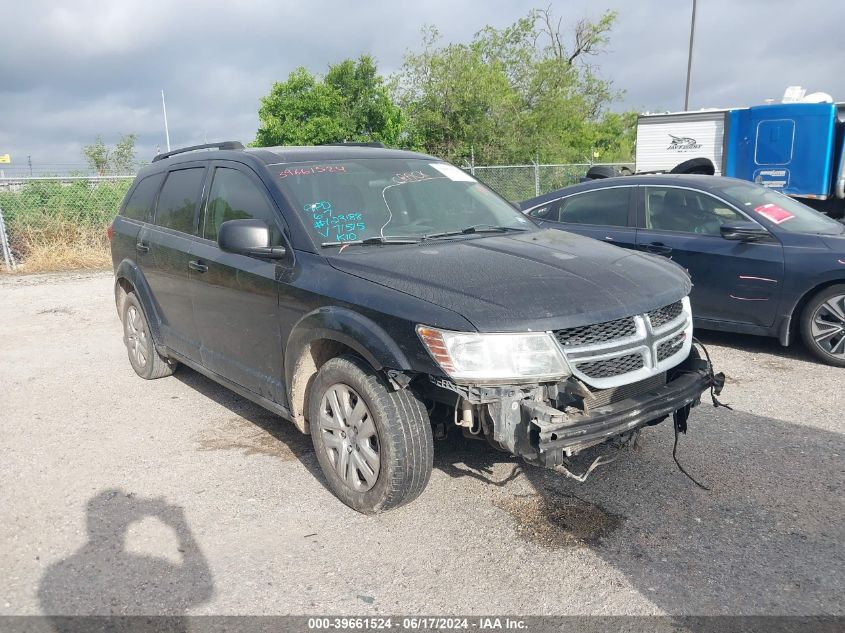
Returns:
(538,280)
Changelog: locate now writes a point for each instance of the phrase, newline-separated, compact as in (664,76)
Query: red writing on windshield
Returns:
(314,169)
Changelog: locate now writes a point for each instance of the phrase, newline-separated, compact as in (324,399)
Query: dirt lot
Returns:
(176,496)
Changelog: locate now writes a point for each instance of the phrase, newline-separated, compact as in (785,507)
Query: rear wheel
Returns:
(374,444)
(143,357)
(823,325)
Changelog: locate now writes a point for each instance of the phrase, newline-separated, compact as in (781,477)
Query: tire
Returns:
(143,357)
(695,166)
(392,426)
(823,325)
(601,171)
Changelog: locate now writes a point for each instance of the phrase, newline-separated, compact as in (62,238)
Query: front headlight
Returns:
(469,356)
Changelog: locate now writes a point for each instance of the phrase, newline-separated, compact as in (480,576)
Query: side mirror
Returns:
(743,232)
(248,237)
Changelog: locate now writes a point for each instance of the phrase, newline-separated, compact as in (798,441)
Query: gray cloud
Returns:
(74,70)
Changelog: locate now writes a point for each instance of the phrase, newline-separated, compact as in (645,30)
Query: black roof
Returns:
(694,181)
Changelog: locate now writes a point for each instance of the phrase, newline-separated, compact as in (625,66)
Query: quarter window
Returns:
(234,196)
(141,201)
(604,207)
(686,211)
(549,211)
(178,199)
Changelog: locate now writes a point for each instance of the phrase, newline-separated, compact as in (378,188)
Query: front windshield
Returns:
(789,214)
(383,199)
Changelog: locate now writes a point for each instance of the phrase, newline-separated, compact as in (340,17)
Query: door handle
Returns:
(142,248)
(197,266)
(659,248)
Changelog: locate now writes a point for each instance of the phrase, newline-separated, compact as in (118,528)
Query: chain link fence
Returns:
(44,214)
(520,182)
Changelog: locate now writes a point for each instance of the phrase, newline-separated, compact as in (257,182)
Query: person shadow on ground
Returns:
(103,579)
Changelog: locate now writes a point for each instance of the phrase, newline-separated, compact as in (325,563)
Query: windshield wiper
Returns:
(378,239)
(475,228)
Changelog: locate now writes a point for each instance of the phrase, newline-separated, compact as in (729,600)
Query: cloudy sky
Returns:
(72,70)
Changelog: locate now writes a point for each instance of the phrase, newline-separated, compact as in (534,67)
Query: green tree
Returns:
(97,155)
(117,160)
(351,103)
(512,94)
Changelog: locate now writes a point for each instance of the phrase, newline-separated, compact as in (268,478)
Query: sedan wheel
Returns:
(828,327)
(823,325)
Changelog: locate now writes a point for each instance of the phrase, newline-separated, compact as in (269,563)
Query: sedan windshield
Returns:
(789,214)
(373,201)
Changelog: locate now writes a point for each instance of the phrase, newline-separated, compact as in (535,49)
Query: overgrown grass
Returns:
(55,225)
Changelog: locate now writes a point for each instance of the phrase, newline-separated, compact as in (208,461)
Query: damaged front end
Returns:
(625,374)
(546,424)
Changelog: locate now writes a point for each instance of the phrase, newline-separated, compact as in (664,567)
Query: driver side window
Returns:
(233,196)
(686,211)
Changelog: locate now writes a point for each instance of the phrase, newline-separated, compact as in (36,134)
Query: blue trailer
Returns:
(795,148)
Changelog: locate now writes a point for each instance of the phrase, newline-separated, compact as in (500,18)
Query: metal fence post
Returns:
(8,256)
(536,177)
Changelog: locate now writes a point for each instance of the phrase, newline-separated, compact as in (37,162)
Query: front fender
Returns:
(350,328)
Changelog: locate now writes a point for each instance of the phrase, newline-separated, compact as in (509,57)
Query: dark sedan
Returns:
(761,263)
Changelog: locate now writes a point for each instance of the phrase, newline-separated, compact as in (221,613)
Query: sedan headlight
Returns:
(474,357)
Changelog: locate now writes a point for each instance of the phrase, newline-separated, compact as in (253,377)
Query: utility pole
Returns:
(689,57)
(29,161)
(164,111)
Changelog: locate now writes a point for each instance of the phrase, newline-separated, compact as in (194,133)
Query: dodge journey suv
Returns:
(366,294)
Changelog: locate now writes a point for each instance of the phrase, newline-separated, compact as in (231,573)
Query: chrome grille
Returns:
(620,352)
(597,332)
(604,397)
(610,367)
(662,316)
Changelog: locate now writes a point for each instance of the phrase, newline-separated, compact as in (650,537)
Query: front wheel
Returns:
(823,325)
(374,444)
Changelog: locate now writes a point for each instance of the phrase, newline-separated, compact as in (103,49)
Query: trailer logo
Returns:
(683,143)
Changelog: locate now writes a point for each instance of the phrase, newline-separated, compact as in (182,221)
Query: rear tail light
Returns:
(110,231)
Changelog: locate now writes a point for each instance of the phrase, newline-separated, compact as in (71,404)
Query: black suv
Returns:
(366,294)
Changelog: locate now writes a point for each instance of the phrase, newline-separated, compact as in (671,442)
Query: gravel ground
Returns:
(176,496)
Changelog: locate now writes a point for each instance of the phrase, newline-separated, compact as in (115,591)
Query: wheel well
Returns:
(122,288)
(805,298)
(309,362)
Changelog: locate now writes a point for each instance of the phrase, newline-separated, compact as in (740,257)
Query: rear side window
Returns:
(604,207)
(234,196)
(141,201)
(178,199)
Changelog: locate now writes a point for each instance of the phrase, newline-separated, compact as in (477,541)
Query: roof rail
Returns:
(222,145)
(357,144)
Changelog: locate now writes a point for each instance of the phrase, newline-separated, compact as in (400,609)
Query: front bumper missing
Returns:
(557,431)
(522,419)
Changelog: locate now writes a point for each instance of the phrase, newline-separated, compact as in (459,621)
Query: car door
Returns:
(235,297)
(732,281)
(606,214)
(165,248)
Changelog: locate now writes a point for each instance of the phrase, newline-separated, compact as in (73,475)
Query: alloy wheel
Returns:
(350,438)
(828,326)
(136,336)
